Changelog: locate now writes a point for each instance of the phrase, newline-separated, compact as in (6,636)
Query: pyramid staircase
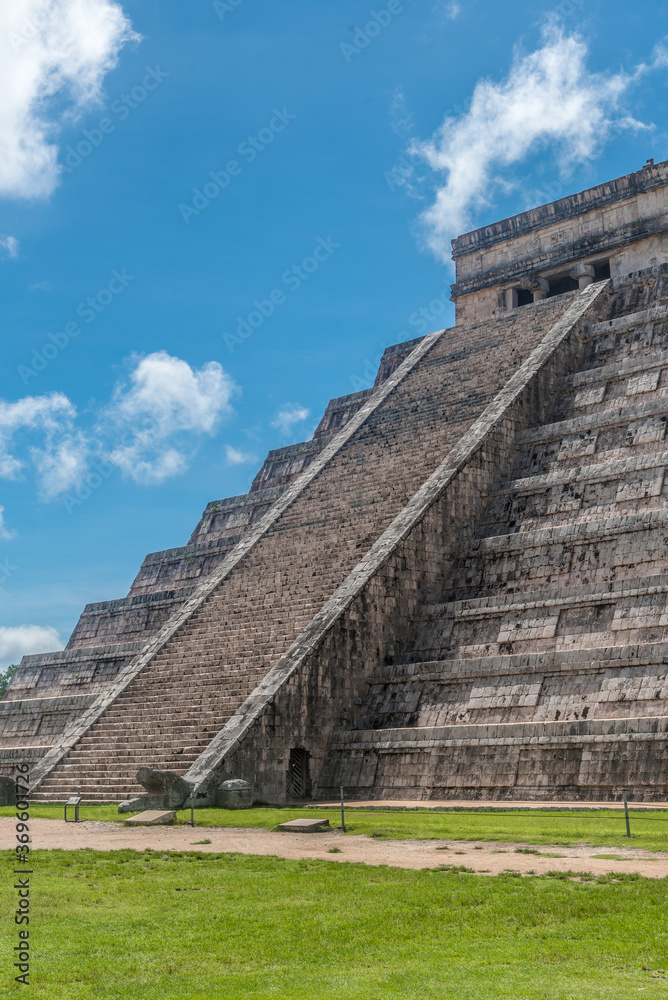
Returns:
(553,629)
(199,674)
(50,691)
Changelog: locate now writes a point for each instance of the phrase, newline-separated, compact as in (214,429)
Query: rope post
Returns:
(626,814)
(343,815)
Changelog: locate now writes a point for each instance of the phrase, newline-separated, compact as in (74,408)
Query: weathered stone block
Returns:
(152,817)
(234,794)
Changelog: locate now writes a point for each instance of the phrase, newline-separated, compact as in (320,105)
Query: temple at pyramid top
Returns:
(610,230)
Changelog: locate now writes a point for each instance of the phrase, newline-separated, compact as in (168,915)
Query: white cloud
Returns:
(61,456)
(236,457)
(659,56)
(156,417)
(25,639)
(452,10)
(10,245)
(50,415)
(5,532)
(288,416)
(149,430)
(549,99)
(62,464)
(56,54)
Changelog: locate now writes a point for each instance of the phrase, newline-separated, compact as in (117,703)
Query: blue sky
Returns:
(191,161)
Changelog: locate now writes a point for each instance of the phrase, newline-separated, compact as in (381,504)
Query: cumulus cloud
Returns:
(5,532)
(9,246)
(549,99)
(155,417)
(56,54)
(62,464)
(25,639)
(52,418)
(148,430)
(236,457)
(659,56)
(288,416)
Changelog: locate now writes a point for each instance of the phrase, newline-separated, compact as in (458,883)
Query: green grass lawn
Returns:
(154,926)
(599,827)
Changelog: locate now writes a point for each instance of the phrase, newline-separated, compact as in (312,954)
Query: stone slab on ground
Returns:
(152,817)
(305,826)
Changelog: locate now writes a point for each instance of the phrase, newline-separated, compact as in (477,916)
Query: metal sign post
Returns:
(75,801)
(626,814)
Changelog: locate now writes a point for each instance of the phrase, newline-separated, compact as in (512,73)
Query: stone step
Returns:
(70,672)
(553,662)
(616,434)
(127,619)
(557,597)
(61,703)
(102,763)
(229,516)
(171,723)
(186,565)
(604,549)
(627,322)
(179,740)
(562,619)
(587,424)
(600,394)
(596,472)
(549,732)
(520,760)
(619,370)
(577,532)
(603,489)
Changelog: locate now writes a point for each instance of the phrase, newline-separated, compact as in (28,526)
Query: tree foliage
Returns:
(6,676)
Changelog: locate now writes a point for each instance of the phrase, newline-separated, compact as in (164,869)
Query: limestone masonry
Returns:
(458,588)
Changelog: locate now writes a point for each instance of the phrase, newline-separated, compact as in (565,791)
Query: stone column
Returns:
(583,273)
(539,286)
(511,298)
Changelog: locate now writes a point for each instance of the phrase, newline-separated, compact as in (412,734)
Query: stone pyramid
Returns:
(458,587)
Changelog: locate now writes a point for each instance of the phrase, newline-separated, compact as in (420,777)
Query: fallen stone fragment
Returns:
(152,817)
(305,826)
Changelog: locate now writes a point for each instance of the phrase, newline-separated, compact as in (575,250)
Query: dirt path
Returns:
(483,856)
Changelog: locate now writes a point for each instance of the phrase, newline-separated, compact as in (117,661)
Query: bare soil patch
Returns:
(484,857)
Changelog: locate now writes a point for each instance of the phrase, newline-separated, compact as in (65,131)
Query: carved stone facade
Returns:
(458,587)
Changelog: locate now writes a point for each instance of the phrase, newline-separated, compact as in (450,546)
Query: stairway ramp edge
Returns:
(229,739)
(72,736)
